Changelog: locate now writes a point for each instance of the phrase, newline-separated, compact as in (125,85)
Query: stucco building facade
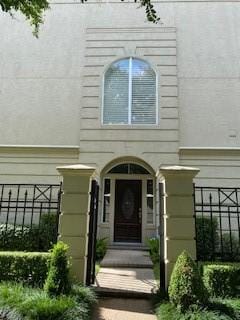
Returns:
(52,98)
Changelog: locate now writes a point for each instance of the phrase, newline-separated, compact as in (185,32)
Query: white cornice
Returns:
(209,151)
(39,149)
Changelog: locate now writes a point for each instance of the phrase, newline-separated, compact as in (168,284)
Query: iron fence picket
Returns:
(24,205)
(92,233)
(217,223)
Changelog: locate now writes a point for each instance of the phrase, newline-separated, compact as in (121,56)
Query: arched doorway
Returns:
(128,202)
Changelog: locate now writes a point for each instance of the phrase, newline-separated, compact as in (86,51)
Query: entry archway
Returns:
(128,202)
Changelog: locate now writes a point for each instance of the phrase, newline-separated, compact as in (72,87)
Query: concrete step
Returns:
(119,293)
(125,282)
(127,247)
(126,259)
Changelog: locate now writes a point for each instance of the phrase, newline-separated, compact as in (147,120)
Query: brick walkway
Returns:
(126,273)
(123,309)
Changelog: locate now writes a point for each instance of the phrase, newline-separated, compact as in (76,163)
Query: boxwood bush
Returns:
(29,268)
(186,287)
(221,280)
(57,281)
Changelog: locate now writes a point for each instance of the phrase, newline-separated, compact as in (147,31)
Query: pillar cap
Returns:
(76,169)
(178,170)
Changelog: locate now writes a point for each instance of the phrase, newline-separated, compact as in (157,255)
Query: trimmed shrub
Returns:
(57,281)
(153,244)
(26,238)
(18,238)
(30,268)
(230,247)
(207,237)
(186,286)
(221,280)
(101,248)
(48,230)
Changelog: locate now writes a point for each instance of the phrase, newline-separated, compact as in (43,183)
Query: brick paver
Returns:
(123,309)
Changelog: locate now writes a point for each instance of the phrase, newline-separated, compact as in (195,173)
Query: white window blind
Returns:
(116,93)
(129,93)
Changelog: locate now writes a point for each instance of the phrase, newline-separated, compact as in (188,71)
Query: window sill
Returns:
(130,126)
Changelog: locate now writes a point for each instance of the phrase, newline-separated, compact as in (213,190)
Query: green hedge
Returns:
(221,280)
(29,268)
(36,238)
(207,237)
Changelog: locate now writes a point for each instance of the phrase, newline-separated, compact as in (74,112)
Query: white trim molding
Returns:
(56,150)
(220,151)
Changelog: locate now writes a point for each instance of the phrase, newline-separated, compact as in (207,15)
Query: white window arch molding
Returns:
(130,93)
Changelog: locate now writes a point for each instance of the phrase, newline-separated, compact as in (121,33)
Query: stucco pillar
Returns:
(73,226)
(178,214)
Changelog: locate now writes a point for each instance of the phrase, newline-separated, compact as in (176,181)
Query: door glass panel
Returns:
(150,201)
(106,200)
(129,168)
(128,204)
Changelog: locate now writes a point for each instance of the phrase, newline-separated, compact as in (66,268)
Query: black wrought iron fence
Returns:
(217,214)
(92,233)
(29,215)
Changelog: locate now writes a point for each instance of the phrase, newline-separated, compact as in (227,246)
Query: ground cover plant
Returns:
(153,245)
(25,303)
(214,310)
(58,300)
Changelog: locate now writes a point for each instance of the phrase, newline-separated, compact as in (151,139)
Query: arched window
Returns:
(130,93)
(129,168)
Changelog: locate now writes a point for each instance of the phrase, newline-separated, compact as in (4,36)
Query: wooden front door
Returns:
(128,211)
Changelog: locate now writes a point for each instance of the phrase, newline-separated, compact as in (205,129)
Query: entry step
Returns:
(122,293)
(126,259)
(128,247)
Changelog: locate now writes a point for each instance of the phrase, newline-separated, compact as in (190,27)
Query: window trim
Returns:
(129,124)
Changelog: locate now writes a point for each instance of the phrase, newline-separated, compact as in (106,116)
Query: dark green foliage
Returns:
(151,13)
(48,230)
(167,311)
(57,281)
(207,237)
(221,280)
(18,238)
(101,248)
(36,238)
(24,303)
(32,10)
(83,294)
(153,244)
(230,247)
(186,286)
(28,268)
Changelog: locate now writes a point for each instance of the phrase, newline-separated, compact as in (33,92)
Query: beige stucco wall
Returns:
(34,164)
(50,91)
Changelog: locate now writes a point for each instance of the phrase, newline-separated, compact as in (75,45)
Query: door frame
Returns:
(108,227)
